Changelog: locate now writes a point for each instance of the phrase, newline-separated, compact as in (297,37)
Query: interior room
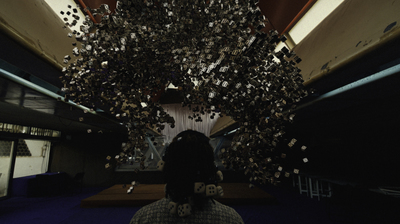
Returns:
(334,137)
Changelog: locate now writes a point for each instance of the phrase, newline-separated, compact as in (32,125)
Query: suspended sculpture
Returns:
(218,55)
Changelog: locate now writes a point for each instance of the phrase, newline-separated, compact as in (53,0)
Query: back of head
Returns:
(188,159)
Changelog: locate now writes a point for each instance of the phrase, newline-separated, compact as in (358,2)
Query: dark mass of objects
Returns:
(216,52)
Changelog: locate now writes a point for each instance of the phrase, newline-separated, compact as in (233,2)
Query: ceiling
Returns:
(22,105)
(26,63)
(280,13)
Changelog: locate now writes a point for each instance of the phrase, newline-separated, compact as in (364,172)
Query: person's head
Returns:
(188,159)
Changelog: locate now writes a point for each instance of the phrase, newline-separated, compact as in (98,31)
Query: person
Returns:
(191,183)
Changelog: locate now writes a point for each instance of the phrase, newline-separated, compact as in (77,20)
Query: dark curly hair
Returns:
(188,159)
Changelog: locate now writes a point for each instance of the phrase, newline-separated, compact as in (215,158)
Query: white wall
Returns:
(4,167)
(35,164)
(354,28)
(26,166)
(38,28)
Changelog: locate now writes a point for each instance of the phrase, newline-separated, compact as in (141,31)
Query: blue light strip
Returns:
(372,78)
(21,81)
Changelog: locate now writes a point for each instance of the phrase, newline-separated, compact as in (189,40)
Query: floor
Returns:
(292,208)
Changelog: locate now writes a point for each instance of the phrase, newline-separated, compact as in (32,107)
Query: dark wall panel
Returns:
(281,13)
(86,153)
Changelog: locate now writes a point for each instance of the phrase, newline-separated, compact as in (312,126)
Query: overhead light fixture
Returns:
(315,15)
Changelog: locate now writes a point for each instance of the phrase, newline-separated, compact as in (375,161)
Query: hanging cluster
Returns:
(215,51)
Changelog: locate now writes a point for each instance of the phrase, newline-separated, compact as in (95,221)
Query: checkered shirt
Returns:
(158,212)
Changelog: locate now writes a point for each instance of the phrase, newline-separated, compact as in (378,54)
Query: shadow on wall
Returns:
(87,153)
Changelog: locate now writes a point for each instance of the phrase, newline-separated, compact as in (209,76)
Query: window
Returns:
(18,129)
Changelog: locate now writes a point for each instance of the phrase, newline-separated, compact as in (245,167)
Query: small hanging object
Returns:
(199,187)
(220,191)
(172,207)
(129,191)
(211,190)
(292,142)
(160,165)
(220,176)
(184,210)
